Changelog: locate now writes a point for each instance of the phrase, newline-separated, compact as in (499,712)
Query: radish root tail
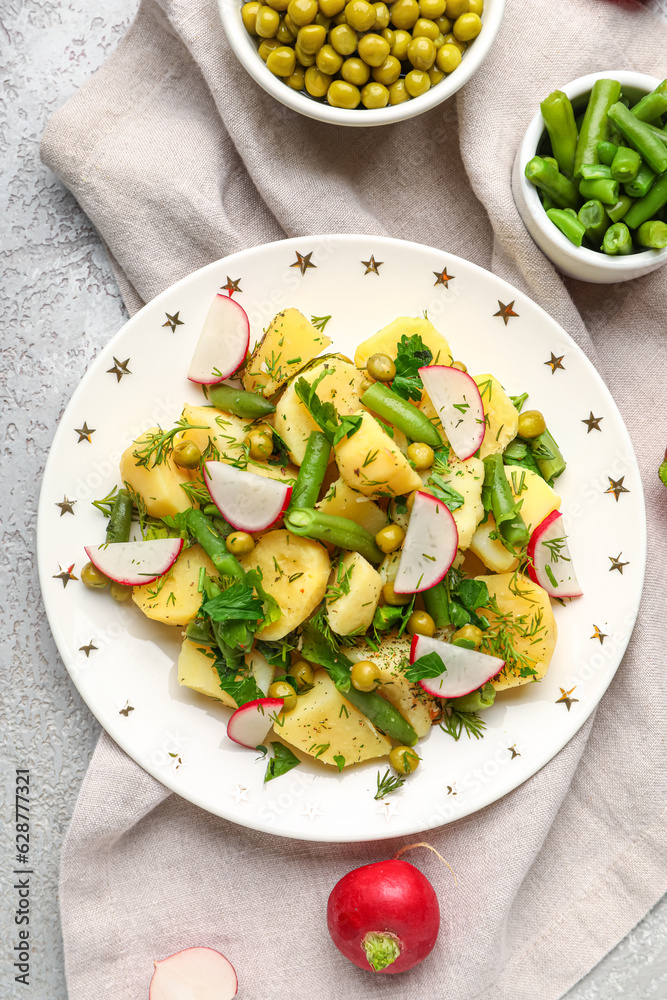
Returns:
(411,847)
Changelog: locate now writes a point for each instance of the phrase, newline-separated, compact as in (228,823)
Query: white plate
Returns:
(124,666)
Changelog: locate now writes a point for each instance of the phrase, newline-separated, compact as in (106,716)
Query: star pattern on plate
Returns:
(232,285)
(506,311)
(66,505)
(555,363)
(617,564)
(65,574)
(388,809)
(88,649)
(616,487)
(565,697)
(597,634)
(119,368)
(372,265)
(239,794)
(303,261)
(85,433)
(126,710)
(173,321)
(513,750)
(593,423)
(312,811)
(442,278)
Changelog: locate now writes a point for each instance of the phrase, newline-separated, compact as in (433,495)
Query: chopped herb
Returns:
(320,322)
(324,413)
(293,577)
(451,498)
(518,401)
(455,723)
(343,708)
(283,760)
(411,355)
(339,761)
(107,502)
(428,665)
(156,446)
(293,361)
(322,748)
(387,783)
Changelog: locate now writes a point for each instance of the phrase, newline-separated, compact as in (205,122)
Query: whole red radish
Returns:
(384,917)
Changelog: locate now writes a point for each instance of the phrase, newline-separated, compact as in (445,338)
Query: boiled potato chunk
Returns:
(223,431)
(410,700)
(289,343)
(196,671)
(159,486)
(283,473)
(174,598)
(387,339)
(370,462)
(323,718)
(341,386)
(538,498)
(528,639)
(353,611)
(342,501)
(467,478)
(295,572)
(491,551)
(502,417)
(388,568)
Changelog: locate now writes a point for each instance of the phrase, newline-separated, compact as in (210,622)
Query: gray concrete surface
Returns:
(60,304)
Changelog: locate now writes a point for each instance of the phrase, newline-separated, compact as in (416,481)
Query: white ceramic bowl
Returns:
(578,262)
(245,47)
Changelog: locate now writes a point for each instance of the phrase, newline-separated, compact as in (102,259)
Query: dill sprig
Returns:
(499,638)
(455,723)
(320,322)
(157,446)
(387,783)
(107,502)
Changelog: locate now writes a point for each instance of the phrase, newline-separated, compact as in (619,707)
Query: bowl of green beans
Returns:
(361,62)
(590,177)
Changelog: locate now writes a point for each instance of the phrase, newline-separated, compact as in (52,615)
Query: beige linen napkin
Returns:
(179,158)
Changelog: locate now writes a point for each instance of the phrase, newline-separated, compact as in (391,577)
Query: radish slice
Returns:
(429,548)
(550,563)
(251,722)
(135,563)
(247,501)
(456,398)
(466,669)
(194,974)
(223,342)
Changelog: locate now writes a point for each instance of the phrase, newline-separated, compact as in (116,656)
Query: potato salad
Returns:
(353,550)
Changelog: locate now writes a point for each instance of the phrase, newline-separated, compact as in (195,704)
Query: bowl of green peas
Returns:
(358,62)
(590,177)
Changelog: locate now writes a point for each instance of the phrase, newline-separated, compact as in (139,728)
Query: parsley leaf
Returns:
(428,665)
(317,649)
(242,687)
(411,355)
(339,761)
(283,760)
(324,413)
(443,491)
(236,602)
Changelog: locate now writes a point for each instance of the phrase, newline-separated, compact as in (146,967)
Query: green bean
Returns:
(568,224)
(626,165)
(211,510)
(203,531)
(414,424)
(652,234)
(559,121)
(437,605)
(120,518)
(591,171)
(617,240)
(652,105)
(559,188)
(648,206)
(339,531)
(617,211)
(606,152)
(382,714)
(594,127)
(638,135)
(313,469)
(476,701)
(240,402)
(659,133)
(602,189)
(499,499)
(547,203)
(595,220)
(642,183)
(548,456)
